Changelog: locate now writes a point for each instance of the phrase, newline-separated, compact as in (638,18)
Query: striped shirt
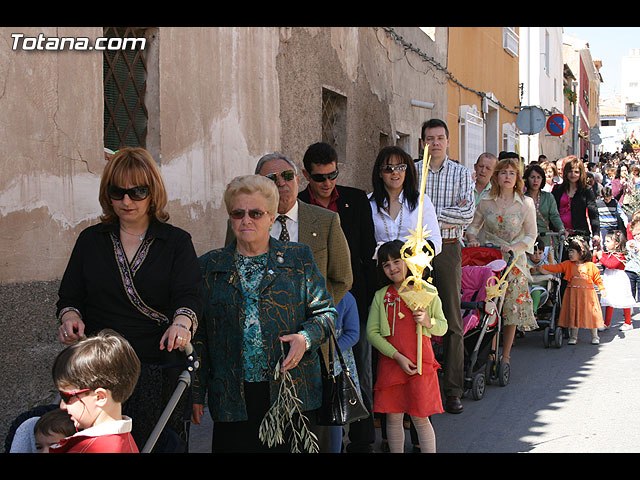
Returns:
(447,187)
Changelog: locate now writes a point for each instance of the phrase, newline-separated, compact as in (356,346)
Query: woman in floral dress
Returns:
(508,219)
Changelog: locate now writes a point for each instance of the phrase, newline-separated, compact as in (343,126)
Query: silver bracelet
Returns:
(182,326)
(307,340)
(66,310)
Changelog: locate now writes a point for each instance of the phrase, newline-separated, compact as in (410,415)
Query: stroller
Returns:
(549,310)
(483,284)
(185,380)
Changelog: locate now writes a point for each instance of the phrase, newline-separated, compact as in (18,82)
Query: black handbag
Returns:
(341,400)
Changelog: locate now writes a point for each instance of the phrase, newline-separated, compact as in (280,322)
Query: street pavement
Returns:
(574,399)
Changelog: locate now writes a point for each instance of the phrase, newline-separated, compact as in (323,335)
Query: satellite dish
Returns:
(530,120)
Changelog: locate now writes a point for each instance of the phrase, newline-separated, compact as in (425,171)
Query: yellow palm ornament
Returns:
(418,254)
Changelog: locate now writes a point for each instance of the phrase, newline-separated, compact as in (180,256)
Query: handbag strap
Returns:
(333,342)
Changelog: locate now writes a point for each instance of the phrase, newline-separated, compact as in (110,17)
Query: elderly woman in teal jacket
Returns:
(262,297)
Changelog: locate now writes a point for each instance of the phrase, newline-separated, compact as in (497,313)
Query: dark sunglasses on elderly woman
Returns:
(254,214)
(67,396)
(135,193)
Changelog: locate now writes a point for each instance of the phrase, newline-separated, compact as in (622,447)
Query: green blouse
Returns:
(251,270)
(547,216)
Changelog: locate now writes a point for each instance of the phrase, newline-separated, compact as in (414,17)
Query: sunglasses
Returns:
(286,175)
(135,193)
(254,214)
(67,396)
(388,168)
(321,177)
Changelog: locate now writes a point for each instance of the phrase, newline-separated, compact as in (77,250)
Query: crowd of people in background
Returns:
(297,263)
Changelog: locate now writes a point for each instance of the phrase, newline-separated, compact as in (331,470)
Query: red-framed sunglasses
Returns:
(67,396)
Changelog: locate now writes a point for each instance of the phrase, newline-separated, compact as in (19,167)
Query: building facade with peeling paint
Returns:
(214,100)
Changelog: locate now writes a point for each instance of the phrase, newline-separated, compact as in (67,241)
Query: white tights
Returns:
(395,433)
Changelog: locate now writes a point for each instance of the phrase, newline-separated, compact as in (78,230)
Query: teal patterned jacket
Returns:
(293,297)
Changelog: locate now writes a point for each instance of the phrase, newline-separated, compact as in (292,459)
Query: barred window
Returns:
(471,135)
(510,40)
(124,81)
(334,121)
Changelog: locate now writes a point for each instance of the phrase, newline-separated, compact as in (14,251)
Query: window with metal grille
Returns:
(124,81)
(334,121)
(510,41)
(509,137)
(471,135)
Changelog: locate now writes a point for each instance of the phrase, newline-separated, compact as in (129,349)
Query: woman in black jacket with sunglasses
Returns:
(136,274)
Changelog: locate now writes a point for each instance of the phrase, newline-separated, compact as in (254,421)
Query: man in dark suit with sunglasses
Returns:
(321,170)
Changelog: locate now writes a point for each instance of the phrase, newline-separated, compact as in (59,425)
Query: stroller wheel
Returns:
(504,372)
(478,386)
(557,340)
(546,337)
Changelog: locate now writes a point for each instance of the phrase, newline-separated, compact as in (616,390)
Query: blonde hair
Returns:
(503,165)
(135,166)
(549,164)
(250,184)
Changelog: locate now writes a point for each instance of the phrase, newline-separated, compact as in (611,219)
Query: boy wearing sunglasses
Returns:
(95,376)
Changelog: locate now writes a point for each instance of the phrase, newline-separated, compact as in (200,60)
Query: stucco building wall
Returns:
(218,99)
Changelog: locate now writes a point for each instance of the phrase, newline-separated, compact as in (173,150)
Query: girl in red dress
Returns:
(392,330)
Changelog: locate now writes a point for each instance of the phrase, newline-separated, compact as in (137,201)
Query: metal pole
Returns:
(575,120)
(184,380)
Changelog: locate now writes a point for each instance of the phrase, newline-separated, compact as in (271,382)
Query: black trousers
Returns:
(242,437)
(447,276)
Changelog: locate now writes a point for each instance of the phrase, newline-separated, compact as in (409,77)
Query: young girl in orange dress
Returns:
(580,304)
(392,330)
(615,278)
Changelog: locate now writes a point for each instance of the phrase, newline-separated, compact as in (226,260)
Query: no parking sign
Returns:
(557,124)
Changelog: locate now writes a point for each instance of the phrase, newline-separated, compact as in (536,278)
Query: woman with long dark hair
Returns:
(395,198)
(576,201)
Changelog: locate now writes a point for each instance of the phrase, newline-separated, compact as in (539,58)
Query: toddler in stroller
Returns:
(538,287)
(545,289)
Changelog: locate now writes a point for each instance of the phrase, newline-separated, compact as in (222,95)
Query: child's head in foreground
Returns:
(52,427)
(95,376)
